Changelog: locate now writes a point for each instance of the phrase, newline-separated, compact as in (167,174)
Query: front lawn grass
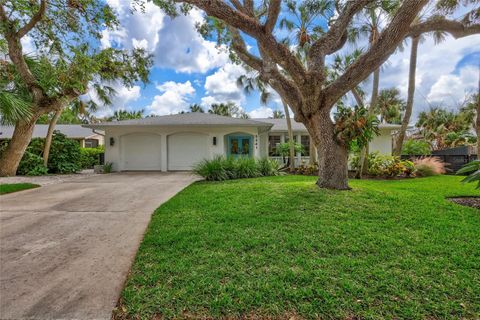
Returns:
(14,187)
(279,247)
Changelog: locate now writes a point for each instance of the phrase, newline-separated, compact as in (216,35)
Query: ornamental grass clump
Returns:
(429,166)
(221,168)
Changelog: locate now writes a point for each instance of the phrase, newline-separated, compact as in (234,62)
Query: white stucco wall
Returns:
(113,153)
(382,143)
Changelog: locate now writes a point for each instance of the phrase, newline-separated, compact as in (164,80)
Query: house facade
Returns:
(178,142)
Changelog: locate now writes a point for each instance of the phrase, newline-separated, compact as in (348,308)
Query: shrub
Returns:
(308,170)
(385,165)
(429,166)
(246,168)
(268,167)
(416,147)
(89,157)
(473,168)
(64,154)
(107,167)
(221,168)
(212,170)
(31,165)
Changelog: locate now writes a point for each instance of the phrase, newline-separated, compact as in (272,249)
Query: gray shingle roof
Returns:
(73,131)
(193,119)
(280,125)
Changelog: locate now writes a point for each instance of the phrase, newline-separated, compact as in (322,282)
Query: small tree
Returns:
(70,61)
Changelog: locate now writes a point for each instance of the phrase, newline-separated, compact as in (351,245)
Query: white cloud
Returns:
(175,43)
(451,89)
(221,87)
(183,48)
(174,98)
(122,98)
(261,112)
(437,77)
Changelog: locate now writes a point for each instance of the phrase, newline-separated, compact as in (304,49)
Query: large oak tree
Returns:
(67,61)
(304,87)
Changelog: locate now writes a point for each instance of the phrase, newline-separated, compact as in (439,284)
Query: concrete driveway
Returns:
(66,248)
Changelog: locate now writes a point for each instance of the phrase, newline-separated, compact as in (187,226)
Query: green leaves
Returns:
(355,126)
(473,168)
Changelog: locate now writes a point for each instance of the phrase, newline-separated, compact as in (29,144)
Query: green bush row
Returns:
(381,165)
(89,157)
(65,156)
(221,168)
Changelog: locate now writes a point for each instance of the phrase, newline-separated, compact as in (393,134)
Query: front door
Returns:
(240,146)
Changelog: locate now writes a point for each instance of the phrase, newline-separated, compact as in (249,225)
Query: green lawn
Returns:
(14,187)
(280,247)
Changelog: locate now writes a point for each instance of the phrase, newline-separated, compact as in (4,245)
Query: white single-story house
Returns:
(178,142)
(87,137)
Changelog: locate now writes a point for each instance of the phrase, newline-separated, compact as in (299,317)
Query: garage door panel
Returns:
(186,149)
(141,151)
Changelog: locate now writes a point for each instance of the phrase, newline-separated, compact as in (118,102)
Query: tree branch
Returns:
(378,52)
(273,12)
(15,52)
(34,20)
(456,28)
(250,25)
(336,36)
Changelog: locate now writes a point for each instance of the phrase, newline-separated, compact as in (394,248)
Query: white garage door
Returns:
(186,149)
(141,151)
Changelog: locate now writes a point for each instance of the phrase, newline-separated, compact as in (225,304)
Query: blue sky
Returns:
(189,69)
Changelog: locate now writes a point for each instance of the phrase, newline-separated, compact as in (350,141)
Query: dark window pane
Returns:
(273,142)
(306,145)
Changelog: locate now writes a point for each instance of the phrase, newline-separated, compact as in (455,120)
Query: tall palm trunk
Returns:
(477,122)
(48,138)
(12,155)
(371,110)
(291,142)
(411,94)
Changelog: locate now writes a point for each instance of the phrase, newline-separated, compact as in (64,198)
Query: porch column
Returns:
(299,154)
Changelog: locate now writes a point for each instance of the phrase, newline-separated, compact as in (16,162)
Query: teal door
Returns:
(240,146)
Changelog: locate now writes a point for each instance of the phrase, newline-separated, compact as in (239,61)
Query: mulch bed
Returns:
(473,202)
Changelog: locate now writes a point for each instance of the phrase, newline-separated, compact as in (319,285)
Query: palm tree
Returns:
(251,83)
(278,114)
(301,21)
(389,106)
(441,6)
(121,114)
(471,113)
(370,27)
(196,108)
(14,99)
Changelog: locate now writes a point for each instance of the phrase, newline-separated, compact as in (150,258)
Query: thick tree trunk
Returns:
(411,94)
(22,135)
(48,138)
(291,141)
(332,156)
(312,158)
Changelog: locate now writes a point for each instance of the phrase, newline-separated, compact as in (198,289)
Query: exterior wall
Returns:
(113,153)
(382,143)
(99,137)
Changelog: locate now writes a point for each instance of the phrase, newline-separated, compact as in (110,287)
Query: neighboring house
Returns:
(177,142)
(88,138)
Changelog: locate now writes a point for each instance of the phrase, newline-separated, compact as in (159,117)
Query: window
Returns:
(273,142)
(91,143)
(305,140)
